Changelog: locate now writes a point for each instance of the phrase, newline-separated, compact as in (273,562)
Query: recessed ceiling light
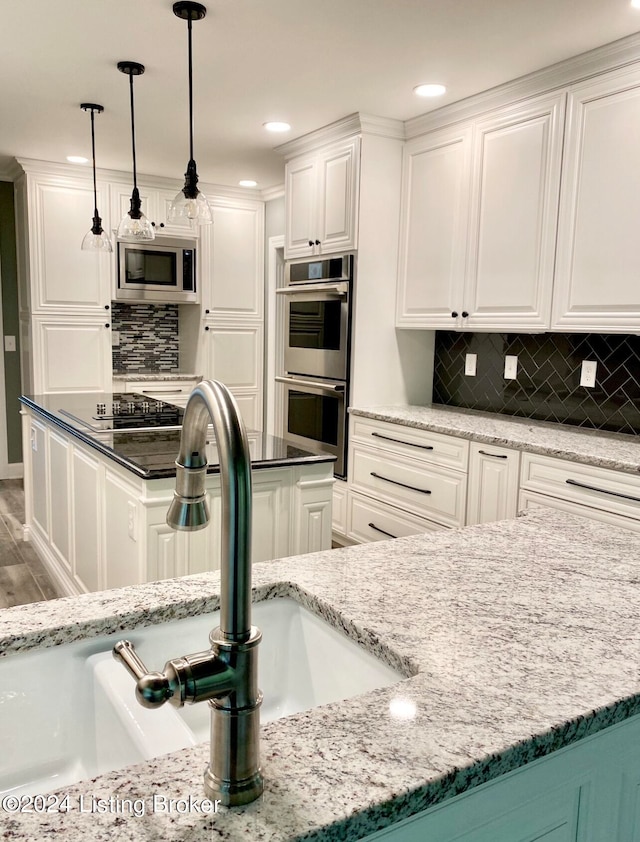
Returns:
(77,159)
(248,182)
(635,4)
(429,90)
(276,126)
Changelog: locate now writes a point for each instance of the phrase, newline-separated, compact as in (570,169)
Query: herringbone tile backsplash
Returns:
(548,383)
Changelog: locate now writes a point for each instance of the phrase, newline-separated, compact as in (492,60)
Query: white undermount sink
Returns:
(69,713)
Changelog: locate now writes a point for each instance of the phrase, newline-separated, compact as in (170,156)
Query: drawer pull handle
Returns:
(602,490)
(495,455)
(383,531)
(403,484)
(399,441)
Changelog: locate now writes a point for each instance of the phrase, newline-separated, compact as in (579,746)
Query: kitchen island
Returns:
(517,718)
(97,493)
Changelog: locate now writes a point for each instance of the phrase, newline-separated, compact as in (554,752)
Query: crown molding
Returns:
(271,193)
(625,51)
(353,124)
(10,171)
(382,126)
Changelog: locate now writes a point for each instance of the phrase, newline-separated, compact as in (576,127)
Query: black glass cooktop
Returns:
(125,412)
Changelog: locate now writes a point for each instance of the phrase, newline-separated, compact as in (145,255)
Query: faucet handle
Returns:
(152,688)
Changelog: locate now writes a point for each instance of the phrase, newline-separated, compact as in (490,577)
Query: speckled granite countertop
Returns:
(592,447)
(508,630)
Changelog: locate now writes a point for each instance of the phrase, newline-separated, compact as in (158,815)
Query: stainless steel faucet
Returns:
(226,674)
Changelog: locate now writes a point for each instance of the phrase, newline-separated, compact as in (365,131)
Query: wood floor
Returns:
(23,577)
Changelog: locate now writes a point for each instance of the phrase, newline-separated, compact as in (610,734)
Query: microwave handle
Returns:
(306,384)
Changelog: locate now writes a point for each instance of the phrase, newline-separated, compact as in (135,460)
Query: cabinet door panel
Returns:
(338,199)
(494,474)
(514,212)
(39,475)
(86,521)
(58,468)
(64,277)
(300,207)
(434,230)
(235,356)
(598,261)
(71,356)
(237,261)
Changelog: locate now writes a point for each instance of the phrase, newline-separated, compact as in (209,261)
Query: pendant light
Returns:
(95,239)
(190,203)
(134,226)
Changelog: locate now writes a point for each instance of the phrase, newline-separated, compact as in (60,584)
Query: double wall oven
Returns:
(318,298)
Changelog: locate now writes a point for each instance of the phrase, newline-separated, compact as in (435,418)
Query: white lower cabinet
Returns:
(593,492)
(494,475)
(587,792)
(97,525)
(403,481)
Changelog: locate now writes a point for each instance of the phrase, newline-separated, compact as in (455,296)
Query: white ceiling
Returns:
(309,63)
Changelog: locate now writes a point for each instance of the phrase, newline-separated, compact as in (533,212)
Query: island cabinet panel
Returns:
(586,792)
(598,256)
(96,524)
(86,521)
(494,476)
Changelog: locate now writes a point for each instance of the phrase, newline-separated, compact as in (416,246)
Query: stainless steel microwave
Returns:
(161,271)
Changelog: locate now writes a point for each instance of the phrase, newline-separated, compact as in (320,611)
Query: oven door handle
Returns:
(307,290)
(311,384)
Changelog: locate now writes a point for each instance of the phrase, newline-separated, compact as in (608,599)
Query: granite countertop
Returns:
(154,375)
(151,454)
(517,638)
(591,447)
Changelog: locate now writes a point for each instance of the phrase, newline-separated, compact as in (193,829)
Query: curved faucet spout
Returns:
(188,510)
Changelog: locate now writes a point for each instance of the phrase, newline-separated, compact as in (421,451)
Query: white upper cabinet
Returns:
(433,228)
(231,256)
(155,203)
(321,198)
(598,258)
(61,277)
(478,228)
(514,207)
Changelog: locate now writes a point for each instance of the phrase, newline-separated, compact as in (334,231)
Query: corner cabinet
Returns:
(478,227)
(321,200)
(598,257)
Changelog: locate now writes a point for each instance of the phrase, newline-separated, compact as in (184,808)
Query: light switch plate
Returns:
(588,373)
(9,343)
(510,367)
(115,339)
(470,364)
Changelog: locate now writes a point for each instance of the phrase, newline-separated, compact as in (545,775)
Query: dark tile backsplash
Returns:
(548,383)
(148,337)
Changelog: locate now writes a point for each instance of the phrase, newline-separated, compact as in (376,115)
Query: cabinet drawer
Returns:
(533,500)
(425,490)
(598,488)
(372,521)
(435,448)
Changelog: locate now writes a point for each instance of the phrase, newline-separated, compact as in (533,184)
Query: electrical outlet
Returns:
(470,364)
(510,367)
(588,373)
(9,343)
(115,339)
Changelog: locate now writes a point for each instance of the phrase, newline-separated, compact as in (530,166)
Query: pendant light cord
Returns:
(93,153)
(133,132)
(189,25)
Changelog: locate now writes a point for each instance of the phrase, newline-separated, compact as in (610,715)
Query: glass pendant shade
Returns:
(134,226)
(95,239)
(190,203)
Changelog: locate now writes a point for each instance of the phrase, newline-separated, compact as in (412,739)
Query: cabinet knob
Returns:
(317,242)
(106,306)
(454,315)
(162,225)
(107,325)
(464,314)
(310,242)
(207,311)
(207,327)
